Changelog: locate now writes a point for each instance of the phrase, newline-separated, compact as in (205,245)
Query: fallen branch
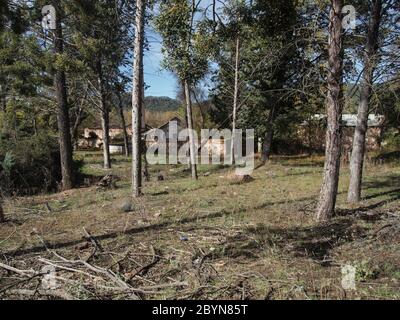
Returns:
(53,293)
(28,273)
(143,270)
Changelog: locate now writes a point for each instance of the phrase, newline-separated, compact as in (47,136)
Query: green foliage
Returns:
(392,140)
(267,63)
(366,271)
(187,43)
(31,165)
(8,163)
(161,104)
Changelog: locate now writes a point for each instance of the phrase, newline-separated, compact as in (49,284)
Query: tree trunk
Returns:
(202,112)
(2,218)
(105,117)
(269,135)
(146,173)
(192,144)
(105,126)
(64,129)
(267,145)
(137,100)
(75,128)
(370,62)
(334,108)
(78,121)
(186,119)
(123,123)
(235,97)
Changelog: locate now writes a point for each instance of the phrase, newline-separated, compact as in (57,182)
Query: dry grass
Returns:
(220,241)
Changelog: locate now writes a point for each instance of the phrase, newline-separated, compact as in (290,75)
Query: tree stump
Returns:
(108,182)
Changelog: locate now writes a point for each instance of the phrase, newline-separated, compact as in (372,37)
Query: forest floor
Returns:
(209,239)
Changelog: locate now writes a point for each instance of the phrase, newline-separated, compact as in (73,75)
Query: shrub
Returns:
(392,140)
(31,165)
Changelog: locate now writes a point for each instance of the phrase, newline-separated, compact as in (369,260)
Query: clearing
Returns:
(204,240)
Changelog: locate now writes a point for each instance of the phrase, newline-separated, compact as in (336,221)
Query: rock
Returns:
(239,179)
(125,206)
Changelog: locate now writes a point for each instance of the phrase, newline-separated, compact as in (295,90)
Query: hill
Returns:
(161,104)
(151,103)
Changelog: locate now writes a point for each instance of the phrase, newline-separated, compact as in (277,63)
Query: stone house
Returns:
(92,138)
(313,132)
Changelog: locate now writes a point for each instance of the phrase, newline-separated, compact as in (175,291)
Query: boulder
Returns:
(233,178)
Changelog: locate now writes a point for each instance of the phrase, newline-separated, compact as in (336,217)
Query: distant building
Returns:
(92,138)
(312,132)
(214,146)
(151,135)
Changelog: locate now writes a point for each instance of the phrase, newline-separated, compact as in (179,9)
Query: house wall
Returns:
(114,132)
(116,149)
(314,138)
(215,147)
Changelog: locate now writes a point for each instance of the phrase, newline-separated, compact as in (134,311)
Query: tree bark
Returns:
(137,100)
(334,108)
(201,111)
(370,62)
(105,116)
(145,165)
(63,121)
(235,97)
(123,123)
(267,145)
(2,218)
(78,121)
(269,135)
(192,144)
(75,128)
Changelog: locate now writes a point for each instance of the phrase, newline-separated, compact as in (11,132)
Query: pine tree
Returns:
(186,51)
(137,99)
(101,34)
(63,120)
(334,108)
(370,63)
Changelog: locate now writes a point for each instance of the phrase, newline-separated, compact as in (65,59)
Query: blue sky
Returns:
(160,82)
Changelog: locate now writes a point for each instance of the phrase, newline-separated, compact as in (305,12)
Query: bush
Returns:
(392,140)
(30,166)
